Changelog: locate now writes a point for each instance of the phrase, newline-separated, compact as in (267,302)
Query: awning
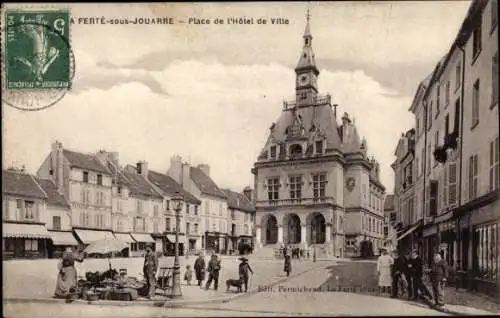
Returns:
(413,228)
(124,237)
(89,236)
(171,238)
(63,238)
(24,230)
(143,238)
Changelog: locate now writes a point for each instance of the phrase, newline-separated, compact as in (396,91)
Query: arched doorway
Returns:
(292,229)
(270,227)
(317,228)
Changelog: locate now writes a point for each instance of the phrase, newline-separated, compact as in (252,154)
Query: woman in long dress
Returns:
(384,264)
(67,277)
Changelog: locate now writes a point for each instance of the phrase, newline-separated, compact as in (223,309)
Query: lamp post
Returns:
(177,201)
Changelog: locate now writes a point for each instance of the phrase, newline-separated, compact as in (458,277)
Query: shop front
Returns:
(478,245)
(430,243)
(25,240)
(216,242)
(410,238)
(169,246)
(60,240)
(125,237)
(138,248)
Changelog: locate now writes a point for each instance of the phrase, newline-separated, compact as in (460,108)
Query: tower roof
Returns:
(307,60)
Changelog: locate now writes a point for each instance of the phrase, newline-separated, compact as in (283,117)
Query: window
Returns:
(168,224)
(436,144)
(273,186)
(207,207)
(429,117)
(319,146)
(475,104)
(99,220)
(167,205)
(139,206)
(19,206)
(119,190)
(447,96)
(31,245)
(429,158)
(458,73)
(303,95)
(319,185)
(85,177)
(494,13)
(156,211)
(120,225)
(29,213)
(99,179)
(155,227)
(295,151)
(188,227)
(295,187)
(272,152)
(433,198)
(476,41)
(187,208)
(220,209)
(139,224)
(438,93)
(494,79)
(485,258)
(247,229)
(452,183)
(473,183)
(447,125)
(196,228)
(444,187)
(195,210)
(494,164)
(56,222)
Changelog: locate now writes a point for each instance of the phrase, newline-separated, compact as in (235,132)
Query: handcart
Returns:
(165,278)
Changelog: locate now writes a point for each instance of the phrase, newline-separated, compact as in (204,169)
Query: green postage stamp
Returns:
(37,50)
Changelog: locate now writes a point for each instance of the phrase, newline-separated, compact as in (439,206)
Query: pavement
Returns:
(20,276)
(315,288)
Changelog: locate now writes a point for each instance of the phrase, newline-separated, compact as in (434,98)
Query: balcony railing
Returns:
(301,201)
(318,101)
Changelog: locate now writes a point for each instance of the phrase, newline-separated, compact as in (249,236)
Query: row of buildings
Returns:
(77,198)
(446,195)
(315,184)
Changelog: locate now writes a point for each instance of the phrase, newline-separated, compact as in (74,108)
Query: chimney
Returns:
(205,168)
(175,170)
(345,127)
(377,170)
(57,165)
(142,169)
(248,192)
(186,176)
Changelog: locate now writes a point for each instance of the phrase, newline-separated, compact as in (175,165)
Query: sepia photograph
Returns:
(243,159)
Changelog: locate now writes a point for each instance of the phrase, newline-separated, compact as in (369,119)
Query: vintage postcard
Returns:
(250,159)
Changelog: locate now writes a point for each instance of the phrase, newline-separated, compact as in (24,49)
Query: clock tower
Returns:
(306,84)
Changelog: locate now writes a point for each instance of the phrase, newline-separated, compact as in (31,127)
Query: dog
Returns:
(238,283)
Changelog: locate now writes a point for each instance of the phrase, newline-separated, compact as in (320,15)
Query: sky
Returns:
(210,92)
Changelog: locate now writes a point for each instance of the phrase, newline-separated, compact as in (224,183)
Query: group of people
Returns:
(392,270)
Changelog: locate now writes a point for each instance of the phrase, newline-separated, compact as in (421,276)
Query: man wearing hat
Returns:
(244,268)
(149,269)
(415,266)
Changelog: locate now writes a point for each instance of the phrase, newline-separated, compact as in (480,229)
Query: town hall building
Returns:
(314,183)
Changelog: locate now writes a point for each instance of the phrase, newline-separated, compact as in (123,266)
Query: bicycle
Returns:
(402,286)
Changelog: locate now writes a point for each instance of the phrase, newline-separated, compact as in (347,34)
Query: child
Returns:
(188,275)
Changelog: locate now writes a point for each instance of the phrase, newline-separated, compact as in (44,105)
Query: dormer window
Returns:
(295,151)
(272,152)
(319,146)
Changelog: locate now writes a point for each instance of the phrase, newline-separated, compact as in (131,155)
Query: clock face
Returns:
(303,79)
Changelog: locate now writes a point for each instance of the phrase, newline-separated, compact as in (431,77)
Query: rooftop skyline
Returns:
(210,93)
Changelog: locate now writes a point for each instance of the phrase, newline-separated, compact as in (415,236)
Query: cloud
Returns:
(214,113)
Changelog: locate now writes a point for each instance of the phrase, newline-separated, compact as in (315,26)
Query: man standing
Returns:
(149,269)
(213,269)
(416,271)
(243,269)
(398,269)
(199,269)
(439,273)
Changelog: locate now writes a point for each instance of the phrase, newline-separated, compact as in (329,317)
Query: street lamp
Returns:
(177,202)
